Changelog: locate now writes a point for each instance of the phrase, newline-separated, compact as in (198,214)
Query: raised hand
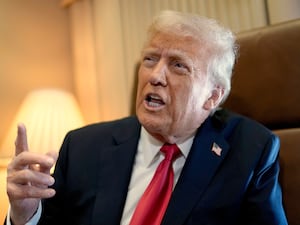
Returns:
(28,179)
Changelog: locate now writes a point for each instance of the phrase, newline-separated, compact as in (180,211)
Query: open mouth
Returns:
(154,100)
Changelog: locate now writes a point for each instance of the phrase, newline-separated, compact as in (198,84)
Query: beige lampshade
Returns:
(48,115)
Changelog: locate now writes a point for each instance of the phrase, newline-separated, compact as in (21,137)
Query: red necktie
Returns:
(152,205)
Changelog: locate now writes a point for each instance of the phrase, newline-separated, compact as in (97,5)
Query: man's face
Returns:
(174,92)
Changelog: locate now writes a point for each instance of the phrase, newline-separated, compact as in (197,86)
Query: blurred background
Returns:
(67,63)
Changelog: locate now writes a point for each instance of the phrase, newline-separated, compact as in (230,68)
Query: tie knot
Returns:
(171,151)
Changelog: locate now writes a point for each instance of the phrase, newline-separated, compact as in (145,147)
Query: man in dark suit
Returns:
(226,169)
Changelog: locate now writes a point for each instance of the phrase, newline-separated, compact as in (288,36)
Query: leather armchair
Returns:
(266,87)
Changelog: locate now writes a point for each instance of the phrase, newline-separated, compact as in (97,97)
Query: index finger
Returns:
(21,140)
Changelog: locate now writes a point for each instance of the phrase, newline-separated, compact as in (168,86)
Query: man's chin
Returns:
(153,123)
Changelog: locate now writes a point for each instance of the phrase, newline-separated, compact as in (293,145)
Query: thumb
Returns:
(54,156)
(21,140)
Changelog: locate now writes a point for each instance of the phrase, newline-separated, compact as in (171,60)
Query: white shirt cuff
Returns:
(33,221)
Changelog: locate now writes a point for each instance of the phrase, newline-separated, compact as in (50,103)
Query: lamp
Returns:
(47,114)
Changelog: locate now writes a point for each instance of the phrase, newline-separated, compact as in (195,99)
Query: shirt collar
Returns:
(150,147)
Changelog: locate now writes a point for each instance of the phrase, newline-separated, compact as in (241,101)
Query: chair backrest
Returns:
(266,79)
(290,172)
(266,87)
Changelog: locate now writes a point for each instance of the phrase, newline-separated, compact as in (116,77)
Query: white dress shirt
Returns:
(147,159)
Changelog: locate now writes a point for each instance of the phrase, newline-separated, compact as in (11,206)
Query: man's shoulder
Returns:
(226,119)
(245,133)
(123,125)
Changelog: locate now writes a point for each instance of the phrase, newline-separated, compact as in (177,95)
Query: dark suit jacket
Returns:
(239,187)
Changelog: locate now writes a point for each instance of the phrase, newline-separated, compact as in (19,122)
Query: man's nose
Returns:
(158,74)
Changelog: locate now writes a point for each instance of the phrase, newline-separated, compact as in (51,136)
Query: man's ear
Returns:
(215,98)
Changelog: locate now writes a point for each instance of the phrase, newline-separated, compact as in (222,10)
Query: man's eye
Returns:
(180,67)
(148,60)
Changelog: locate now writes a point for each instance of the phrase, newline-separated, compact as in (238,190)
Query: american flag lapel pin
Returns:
(216,149)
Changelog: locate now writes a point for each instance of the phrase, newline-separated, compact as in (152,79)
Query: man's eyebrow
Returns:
(181,55)
(173,54)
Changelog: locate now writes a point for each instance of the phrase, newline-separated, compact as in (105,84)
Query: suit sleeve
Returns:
(263,203)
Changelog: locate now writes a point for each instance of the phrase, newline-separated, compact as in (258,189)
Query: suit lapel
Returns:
(115,167)
(201,165)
